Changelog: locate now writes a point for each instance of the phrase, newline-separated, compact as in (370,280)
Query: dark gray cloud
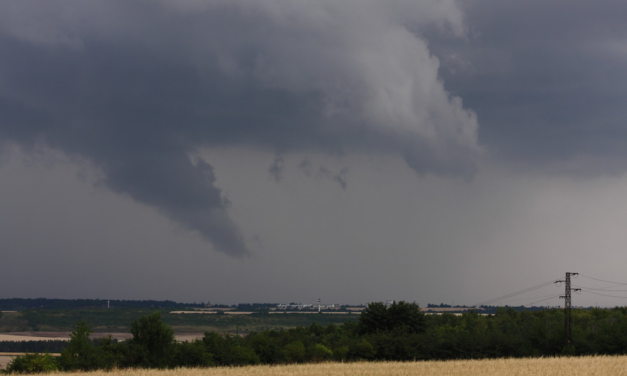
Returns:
(137,87)
(199,115)
(547,80)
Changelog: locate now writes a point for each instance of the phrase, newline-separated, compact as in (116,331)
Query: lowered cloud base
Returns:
(135,87)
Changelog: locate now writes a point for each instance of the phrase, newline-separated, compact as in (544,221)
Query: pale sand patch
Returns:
(65,336)
(4,360)
(13,337)
(188,336)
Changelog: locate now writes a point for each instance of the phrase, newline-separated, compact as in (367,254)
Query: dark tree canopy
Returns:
(398,316)
(153,341)
(81,354)
(399,332)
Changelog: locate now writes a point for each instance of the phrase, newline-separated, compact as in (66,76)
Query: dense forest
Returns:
(399,331)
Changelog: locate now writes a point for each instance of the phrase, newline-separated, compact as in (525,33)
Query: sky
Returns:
(435,151)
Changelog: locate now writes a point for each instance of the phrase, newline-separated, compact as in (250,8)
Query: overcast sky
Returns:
(288,151)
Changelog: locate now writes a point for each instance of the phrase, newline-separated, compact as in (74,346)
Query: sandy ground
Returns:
(44,336)
(4,360)
(34,336)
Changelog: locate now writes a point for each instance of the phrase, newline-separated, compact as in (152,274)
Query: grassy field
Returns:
(580,366)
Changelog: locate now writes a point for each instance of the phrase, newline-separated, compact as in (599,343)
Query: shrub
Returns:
(320,352)
(32,363)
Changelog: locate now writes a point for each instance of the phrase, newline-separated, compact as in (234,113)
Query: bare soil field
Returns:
(34,336)
(582,366)
(44,336)
(5,359)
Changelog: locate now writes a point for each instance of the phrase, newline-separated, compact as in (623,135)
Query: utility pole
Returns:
(568,330)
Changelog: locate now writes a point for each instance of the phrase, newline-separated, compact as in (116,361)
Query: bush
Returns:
(320,352)
(294,352)
(32,363)
(363,350)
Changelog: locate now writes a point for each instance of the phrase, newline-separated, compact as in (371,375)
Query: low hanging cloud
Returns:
(276,168)
(308,168)
(137,87)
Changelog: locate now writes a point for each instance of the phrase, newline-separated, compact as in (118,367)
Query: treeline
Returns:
(118,320)
(255,307)
(18,304)
(395,332)
(52,346)
(484,309)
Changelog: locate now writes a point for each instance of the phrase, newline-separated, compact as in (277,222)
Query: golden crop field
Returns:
(576,366)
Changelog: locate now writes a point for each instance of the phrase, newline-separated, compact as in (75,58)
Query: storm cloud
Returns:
(547,81)
(363,150)
(139,89)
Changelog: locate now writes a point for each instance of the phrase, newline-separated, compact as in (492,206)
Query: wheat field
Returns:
(576,366)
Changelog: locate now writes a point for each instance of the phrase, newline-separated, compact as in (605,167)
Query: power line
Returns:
(540,301)
(611,296)
(601,280)
(602,289)
(500,298)
(529,298)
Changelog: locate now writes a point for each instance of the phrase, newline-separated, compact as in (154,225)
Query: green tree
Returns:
(266,346)
(229,350)
(294,352)
(363,350)
(378,317)
(373,319)
(112,354)
(153,343)
(193,354)
(80,354)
